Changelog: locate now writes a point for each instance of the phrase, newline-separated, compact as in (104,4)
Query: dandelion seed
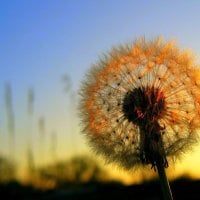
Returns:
(140,104)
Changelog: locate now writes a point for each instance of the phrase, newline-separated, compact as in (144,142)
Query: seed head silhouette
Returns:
(140,103)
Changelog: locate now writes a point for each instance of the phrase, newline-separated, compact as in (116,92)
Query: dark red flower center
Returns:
(144,105)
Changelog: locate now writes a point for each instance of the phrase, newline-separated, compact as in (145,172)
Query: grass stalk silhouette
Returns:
(10,119)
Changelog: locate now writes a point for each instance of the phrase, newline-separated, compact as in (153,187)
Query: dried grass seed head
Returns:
(140,85)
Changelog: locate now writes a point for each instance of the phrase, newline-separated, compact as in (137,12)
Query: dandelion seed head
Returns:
(141,92)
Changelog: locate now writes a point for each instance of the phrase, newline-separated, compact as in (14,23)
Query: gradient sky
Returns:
(40,41)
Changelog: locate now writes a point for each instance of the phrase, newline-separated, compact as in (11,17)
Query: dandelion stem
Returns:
(167,194)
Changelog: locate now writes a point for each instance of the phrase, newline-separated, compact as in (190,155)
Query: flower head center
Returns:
(144,105)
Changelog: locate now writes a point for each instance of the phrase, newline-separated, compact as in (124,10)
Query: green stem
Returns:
(167,194)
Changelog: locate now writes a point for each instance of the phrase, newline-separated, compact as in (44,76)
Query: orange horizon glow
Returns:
(187,167)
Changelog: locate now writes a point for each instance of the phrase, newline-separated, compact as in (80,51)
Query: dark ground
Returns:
(182,189)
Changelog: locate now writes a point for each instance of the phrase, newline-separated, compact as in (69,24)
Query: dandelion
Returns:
(140,104)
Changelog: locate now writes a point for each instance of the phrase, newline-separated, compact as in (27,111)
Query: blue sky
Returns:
(41,40)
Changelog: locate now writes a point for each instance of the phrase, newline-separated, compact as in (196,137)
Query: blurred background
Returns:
(45,49)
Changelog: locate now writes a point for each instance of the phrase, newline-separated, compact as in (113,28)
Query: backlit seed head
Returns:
(141,102)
